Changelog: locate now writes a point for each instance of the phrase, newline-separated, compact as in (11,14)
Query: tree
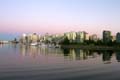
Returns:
(65,41)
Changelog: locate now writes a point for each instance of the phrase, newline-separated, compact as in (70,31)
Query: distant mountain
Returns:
(8,36)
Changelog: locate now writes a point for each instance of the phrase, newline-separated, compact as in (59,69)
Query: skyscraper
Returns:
(93,37)
(80,36)
(71,36)
(118,37)
(107,36)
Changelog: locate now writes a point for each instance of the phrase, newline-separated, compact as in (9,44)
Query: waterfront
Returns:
(20,62)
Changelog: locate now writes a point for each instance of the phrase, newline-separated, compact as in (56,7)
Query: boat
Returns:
(51,45)
(57,46)
(34,44)
(43,45)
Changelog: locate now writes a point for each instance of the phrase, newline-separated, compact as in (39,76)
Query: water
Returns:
(19,62)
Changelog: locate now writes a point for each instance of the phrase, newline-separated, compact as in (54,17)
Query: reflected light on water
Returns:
(69,54)
(21,62)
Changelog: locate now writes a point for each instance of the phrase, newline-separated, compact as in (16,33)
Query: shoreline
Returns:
(90,47)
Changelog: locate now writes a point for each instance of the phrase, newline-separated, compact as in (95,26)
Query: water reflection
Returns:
(29,51)
(35,51)
(79,54)
(71,54)
(118,56)
(107,55)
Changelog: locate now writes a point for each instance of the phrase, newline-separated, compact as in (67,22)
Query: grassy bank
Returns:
(92,47)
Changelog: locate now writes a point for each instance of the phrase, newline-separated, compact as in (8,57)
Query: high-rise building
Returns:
(107,36)
(118,37)
(34,37)
(71,36)
(87,36)
(80,37)
(113,38)
(23,38)
(93,37)
(29,38)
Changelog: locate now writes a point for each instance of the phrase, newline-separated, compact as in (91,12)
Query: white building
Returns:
(23,38)
(71,36)
(94,37)
(80,36)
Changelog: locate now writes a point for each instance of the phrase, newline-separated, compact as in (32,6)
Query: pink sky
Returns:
(44,16)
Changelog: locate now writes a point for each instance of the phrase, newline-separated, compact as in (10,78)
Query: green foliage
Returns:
(65,41)
(91,42)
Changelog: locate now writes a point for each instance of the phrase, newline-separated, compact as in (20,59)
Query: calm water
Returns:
(19,62)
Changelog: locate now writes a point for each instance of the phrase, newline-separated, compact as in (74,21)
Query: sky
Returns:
(58,16)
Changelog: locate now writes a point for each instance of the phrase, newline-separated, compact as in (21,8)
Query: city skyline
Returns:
(58,16)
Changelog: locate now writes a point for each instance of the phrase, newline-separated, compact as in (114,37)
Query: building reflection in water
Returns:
(29,50)
(66,52)
(71,54)
(79,54)
(1,45)
(23,50)
(35,51)
(118,56)
(107,55)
